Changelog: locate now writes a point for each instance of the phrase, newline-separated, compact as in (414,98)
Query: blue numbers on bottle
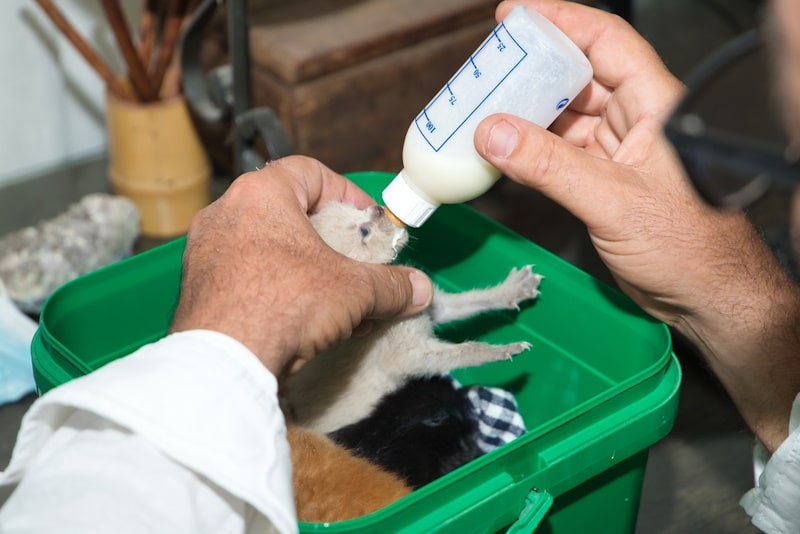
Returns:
(470,87)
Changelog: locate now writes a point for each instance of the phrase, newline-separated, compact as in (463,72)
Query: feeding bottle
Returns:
(526,67)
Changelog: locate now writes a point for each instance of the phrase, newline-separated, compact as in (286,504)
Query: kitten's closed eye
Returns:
(361,234)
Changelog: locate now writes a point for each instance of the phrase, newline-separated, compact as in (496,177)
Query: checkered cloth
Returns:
(496,414)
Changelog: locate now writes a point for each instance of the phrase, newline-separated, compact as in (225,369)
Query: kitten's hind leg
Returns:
(442,357)
(520,285)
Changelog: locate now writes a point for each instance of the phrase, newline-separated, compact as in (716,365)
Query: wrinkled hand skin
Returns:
(255,269)
(704,271)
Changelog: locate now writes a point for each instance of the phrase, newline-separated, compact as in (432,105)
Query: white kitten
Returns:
(343,385)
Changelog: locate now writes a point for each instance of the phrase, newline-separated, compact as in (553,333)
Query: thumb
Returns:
(398,291)
(534,156)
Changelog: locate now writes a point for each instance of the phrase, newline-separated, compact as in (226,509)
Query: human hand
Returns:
(255,269)
(613,168)
(703,271)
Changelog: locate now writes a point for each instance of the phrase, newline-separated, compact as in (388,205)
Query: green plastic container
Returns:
(597,389)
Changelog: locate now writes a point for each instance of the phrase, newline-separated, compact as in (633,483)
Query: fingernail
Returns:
(422,289)
(503,138)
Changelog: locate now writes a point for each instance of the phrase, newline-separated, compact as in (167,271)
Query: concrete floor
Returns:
(697,474)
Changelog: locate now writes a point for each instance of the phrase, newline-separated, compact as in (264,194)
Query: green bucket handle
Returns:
(537,503)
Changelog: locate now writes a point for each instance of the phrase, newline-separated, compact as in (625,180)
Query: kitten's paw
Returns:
(516,348)
(521,285)
(472,353)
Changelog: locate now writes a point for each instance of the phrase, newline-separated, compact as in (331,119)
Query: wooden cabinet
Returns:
(347,78)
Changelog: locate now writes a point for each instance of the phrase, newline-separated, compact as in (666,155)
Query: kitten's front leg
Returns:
(520,285)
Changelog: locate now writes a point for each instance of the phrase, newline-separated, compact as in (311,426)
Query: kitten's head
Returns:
(361,234)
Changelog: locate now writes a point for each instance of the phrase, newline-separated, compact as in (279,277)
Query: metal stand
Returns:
(224,93)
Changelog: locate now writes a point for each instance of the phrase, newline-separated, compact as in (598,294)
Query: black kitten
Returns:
(419,432)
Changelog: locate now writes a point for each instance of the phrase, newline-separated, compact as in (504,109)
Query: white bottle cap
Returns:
(405,203)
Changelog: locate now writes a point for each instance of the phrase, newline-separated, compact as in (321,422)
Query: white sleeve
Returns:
(773,503)
(184,435)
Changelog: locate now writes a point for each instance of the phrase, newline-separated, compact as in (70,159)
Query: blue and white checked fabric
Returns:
(496,413)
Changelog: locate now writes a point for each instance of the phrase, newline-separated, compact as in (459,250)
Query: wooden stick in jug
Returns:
(83,48)
(169,40)
(138,76)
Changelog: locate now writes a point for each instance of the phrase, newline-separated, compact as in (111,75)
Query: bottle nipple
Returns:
(393,218)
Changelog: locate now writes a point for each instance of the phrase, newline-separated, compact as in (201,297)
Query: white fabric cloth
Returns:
(774,504)
(184,435)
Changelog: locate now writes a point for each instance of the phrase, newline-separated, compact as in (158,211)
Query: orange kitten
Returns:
(331,484)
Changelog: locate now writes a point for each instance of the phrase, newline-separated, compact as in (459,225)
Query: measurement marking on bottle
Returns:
(469,87)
